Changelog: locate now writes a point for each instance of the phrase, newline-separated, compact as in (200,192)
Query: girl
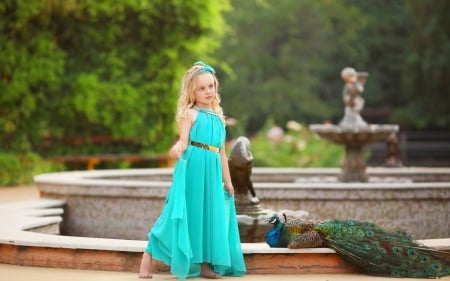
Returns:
(196,233)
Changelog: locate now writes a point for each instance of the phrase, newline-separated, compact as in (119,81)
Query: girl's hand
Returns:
(229,187)
(176,150)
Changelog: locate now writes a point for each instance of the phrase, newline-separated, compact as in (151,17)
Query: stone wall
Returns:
(99,206)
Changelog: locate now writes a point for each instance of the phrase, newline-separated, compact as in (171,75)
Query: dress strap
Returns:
(204,110)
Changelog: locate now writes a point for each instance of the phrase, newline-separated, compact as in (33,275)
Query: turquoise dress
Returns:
(198,222)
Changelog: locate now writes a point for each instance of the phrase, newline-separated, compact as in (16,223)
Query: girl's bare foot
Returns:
(146,266)
(208,273)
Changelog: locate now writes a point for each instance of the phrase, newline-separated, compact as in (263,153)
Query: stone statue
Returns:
(393,151)
(240,163)
(354,103)
(353,132)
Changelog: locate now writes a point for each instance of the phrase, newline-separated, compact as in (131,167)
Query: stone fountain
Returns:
(353,132)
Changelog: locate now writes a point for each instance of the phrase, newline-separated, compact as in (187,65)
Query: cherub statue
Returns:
(354,103)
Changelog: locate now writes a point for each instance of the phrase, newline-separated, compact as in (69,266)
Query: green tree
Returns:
(384,39)
(97,67)
(285,59)
(426,71)
(408,59)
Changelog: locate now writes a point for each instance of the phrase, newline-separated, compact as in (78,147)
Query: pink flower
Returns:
(275,133)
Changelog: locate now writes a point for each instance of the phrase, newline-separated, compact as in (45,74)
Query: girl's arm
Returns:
(226,172)
(185,125)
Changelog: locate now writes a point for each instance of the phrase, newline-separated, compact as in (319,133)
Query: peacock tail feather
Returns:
(380,252)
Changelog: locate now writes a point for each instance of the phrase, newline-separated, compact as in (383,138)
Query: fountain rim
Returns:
(370,128)
(115,178)
(21,217)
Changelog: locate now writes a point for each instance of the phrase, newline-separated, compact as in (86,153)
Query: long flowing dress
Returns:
(198,222)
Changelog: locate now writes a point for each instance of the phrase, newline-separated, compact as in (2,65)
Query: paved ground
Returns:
(24,273)
(16,193)
(20,273)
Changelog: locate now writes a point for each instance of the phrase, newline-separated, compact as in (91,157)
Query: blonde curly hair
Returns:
(186,99)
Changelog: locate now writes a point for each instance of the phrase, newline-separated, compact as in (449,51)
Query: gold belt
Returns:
(205,146)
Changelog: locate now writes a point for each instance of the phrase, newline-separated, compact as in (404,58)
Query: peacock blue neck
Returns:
(278,225)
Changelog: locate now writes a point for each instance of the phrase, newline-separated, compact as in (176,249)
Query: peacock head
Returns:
(274,220)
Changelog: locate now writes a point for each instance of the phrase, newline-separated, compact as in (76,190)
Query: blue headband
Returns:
(206,68)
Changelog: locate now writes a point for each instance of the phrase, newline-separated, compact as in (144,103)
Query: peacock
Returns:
(374,250)
(277,236)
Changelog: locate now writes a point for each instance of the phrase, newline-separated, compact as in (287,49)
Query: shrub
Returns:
(294,146)
(20,169)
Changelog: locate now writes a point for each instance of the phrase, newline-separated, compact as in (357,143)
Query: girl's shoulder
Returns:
(191,114)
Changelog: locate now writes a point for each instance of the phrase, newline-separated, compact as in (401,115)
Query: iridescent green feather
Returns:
(379,252)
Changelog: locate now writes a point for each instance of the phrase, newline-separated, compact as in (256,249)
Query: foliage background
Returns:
(286,58)
(96,77)
(72,69)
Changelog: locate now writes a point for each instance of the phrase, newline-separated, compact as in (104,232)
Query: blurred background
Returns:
(93,84)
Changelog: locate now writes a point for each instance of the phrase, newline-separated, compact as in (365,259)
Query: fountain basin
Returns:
(354,138)
(354,135)
(123,204)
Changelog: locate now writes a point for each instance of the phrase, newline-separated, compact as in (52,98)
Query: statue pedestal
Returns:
(354,165)
(354,139)
(244,205)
